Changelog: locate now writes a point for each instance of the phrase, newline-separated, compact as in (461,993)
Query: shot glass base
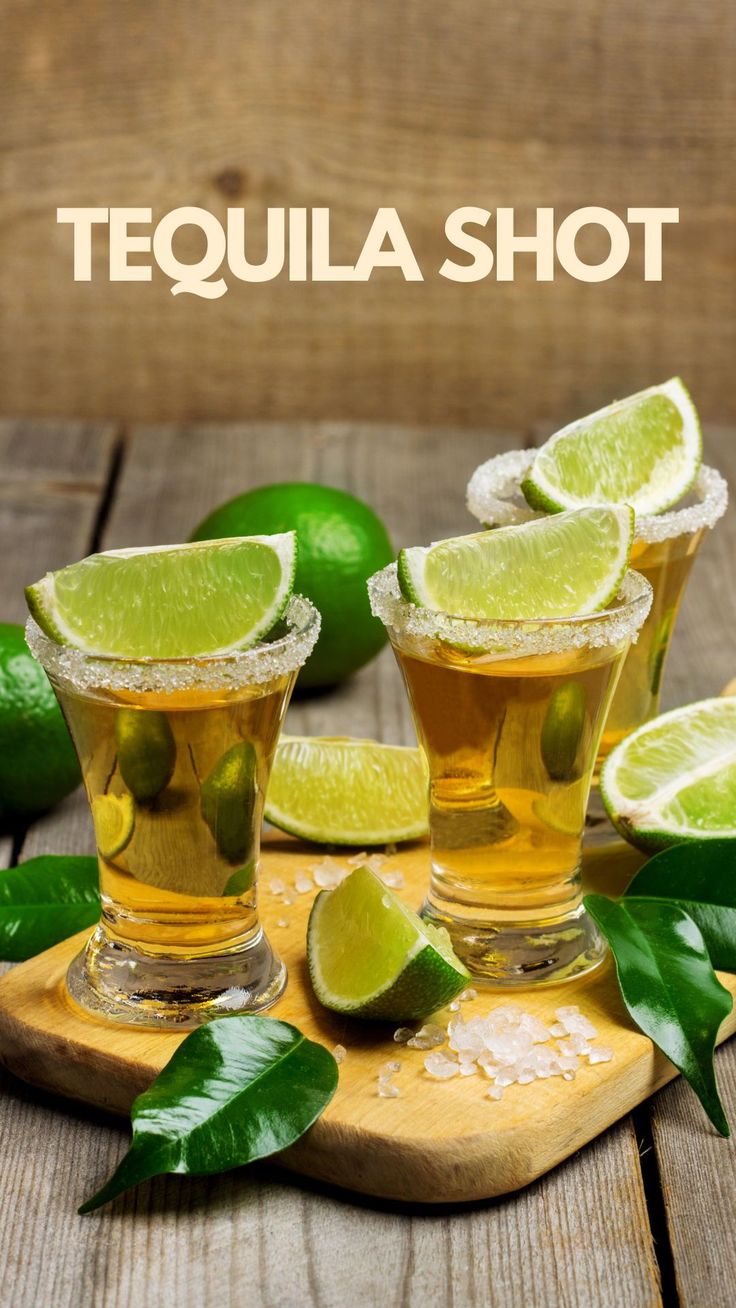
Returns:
(523,954)
(118,983)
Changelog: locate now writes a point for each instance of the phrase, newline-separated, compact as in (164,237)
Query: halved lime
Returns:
(644,451)
(551,568)
(170,601)
(674,779)
(114,820)
(371,956)
(341,791)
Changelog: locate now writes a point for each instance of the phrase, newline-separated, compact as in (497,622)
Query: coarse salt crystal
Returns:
(495,1092)
(328,873)
(394,880)
(303,884)
(467,995)
(357,860)
(389,1069)
(403,1034)
(574,1023)
(454,1007)
(468,1069)
(282,922)
(600,1054)
(339,1053)
(441,1067)
(375,862)
(277,886)
(387,1091)
(575,1044)
(287,901)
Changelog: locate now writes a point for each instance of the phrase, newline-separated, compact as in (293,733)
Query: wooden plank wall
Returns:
(424,105)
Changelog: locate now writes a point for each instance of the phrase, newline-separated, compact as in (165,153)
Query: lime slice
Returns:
(370,956)
(674,779)
(114,819)
(172,601)
(340,791)
(643,451)
(551,568)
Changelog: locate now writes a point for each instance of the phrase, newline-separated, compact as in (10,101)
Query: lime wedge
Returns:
(551,568)
(643,451)
(340,791)
(674,779)
(370,956)
(171,601)
(114,819)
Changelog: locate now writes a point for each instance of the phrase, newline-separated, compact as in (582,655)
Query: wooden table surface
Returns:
(644,1216)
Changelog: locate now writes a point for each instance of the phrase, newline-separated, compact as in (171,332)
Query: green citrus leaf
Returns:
(45,900)
(237,1089)
(699,876)
(668,986)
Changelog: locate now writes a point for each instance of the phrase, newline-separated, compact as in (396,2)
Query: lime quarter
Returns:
(371,956)
(341,791)
(172,601)
(644,451)
(556,567)
(674,779)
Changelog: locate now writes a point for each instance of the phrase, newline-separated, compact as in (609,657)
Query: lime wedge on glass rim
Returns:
(371,956)
(169,601)
(556,567)
(644,451)
(342,791)
(674,779)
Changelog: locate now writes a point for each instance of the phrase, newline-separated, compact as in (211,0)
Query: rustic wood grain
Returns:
(421,106)
(52,478)
(576,1238)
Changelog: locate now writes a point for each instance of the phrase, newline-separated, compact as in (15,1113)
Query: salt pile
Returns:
(513,1047)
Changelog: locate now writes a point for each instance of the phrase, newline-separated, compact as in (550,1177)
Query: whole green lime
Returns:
(341,543)
(38,766)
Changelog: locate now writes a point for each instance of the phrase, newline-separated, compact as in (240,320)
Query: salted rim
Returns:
(494,496)
(507,637)
(75,670)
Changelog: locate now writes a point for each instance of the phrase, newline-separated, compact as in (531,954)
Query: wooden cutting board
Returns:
(438,1142)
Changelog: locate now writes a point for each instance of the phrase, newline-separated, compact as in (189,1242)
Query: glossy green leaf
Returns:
(237,1089)
(700,876)
(44,901)
(668,986)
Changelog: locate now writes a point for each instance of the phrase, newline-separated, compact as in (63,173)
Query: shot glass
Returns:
(509,715)
(664,551)
(175,756)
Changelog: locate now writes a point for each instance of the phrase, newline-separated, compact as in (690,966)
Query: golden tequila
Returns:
(510,717)
(175,757)
(666,565)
